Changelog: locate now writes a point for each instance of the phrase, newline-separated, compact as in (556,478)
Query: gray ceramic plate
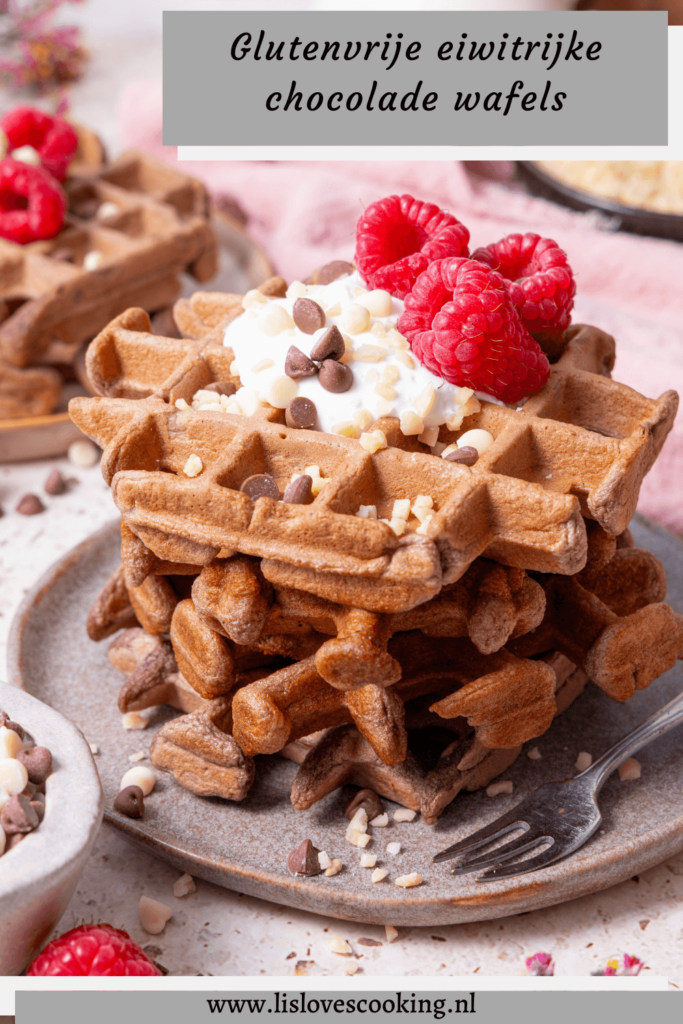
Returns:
(244,846)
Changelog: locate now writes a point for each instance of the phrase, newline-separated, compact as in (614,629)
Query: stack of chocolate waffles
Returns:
(416,664)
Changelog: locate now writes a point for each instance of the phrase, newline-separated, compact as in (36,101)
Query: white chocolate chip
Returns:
(13,775)
(478,438)
(323,860)
(394,849)
(274,320)
(411,423)
(378,874)
(381,821)
(296,290)
(106,210)
(334,868)
(390,932)
(368,860)
(10,742)
(280,392)
(140,756)
(406,359)
(83,454)
(534,754)
(367,512)
(26,155)
(193,466)
(181,404)
(407,881)
(352,967)
(404,814)
(355,318)
(264,364)
(583,761)
(377,302)
(628,771)
(496,788)
(254,298)
(336,944)
(142,777)
(373,442)
(183,886)
(92,260)
(132,720)
(334,310)
(153,915)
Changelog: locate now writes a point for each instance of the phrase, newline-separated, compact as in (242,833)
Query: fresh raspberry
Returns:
(92,950)
(32,204)
(462,325)
(398,237)
(54,140)
(540,283)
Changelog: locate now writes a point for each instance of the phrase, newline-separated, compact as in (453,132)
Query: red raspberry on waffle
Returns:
(462,325)
(539,281)
(32,204)
(398,237)
(54,140)
(92,950)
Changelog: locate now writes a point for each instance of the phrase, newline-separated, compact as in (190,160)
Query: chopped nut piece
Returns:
(383,408)
(423,513)
(629,770)
(390,374)
(583,761)
(365,798)
(181,404)
(406,359)
(346,429)
(429,436)
(352,967)
(367,942)
(362,419)
(153,915)
(390,932)
(369,353)
(301,968)
(367,512)
(372,376)
(94,749)
(424,403)
(407,881)
(324,860)
(534,754)
(139,756)
(496,788)
(393,849)
(404,814)
(397,341)
(385,391)
(336,944)
(398,525)
(132,720)
(378,875)
(373,441)
(92,260)
(334,868)
(381,821)
(411,423)
(368,860)
(193,466)
(183,886)
(401,509)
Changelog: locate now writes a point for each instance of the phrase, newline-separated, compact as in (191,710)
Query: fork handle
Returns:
(659,723)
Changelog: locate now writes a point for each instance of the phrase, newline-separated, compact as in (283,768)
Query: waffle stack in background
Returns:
(279,620)
(132,227)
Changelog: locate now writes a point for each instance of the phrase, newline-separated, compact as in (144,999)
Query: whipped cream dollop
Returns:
(387,378)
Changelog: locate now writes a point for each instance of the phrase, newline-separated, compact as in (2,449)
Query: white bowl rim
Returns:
(74,800)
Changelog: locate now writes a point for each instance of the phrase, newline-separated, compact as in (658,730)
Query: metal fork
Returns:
(561,816)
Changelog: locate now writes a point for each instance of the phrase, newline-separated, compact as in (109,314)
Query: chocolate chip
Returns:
(329,346)
(260,485)
(39,807)
(30,505)
(301,413)
(130,801)
(368,942)
(38,763)
(18,816)
(55,483)
(297,364)
(29,791)
(304,859)
(368,799)
(331,272)
(62,255)
(308,316)
(465,456)
(13,841)
(299,492)
(335,377)
(14,726)
(221,387)
(86,208)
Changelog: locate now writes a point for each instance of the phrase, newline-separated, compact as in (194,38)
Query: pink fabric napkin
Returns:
(304,214)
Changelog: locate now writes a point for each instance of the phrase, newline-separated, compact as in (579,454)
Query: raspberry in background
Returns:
(32,204)
(92,950)
(540,283)
(398,237)
(462,325)
(54,139)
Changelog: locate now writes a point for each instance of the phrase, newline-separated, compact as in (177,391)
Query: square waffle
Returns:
(579,447)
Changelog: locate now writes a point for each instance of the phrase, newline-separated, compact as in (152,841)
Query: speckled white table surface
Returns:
(217,932)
